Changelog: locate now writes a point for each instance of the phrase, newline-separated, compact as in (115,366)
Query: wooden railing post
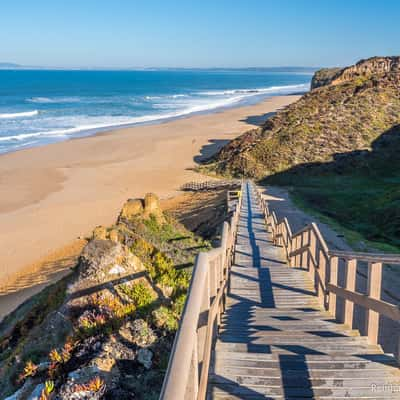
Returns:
(313,249)
(351,271)
(321,276)
(374,291)
(333,279)
(305,240)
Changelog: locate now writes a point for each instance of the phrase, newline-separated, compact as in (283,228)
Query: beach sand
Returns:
(51,195)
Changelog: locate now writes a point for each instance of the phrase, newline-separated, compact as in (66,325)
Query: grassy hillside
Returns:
(360,190)
(337,147)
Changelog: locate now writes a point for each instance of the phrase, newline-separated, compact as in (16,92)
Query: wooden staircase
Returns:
(275,341)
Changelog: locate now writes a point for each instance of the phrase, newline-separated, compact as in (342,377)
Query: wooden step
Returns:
(275,341)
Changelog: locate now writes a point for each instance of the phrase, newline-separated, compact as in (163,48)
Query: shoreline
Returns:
(53,194)
(150,120)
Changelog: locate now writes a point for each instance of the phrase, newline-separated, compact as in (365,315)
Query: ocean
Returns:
(38,107)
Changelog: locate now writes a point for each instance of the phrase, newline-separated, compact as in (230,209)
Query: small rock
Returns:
(152,207)
(138,332)
(83,374)
(118,351)
(105,364)
(114,235)
(100,232)
(117,269)
(144,356)
(132,208)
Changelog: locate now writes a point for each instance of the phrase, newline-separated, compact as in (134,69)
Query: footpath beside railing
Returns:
(307,249)
(187,374)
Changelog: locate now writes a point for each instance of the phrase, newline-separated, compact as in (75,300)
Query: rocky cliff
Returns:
(374,66)
(352,109)
(106,330)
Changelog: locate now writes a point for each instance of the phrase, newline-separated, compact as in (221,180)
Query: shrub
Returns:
(165,318)
(139,293)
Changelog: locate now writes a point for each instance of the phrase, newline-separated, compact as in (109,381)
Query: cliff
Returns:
(374,66)
(106,330)
(347,114)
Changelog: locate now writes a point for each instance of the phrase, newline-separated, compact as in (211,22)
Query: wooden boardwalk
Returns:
(276,342)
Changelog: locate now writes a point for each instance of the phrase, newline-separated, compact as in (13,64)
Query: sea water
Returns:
(38,107)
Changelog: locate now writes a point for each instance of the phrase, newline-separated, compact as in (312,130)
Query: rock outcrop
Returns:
(372,67)
(111,333)
(323,77)
(146,208)
(353,108)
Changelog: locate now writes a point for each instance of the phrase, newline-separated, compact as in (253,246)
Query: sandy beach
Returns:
(52,195)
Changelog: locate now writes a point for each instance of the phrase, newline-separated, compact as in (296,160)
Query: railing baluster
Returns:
(305,238)
(321,276)
(333,279)
(374,291)
(351,271)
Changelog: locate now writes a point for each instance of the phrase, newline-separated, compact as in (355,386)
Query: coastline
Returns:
(51,195)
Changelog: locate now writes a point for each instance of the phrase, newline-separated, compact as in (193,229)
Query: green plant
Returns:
(139,293)
(165,318)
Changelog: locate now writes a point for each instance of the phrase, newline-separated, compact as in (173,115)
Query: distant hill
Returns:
(337,148)
(6,65)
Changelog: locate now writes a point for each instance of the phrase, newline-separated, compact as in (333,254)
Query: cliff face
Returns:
(374,66)
(106,330)
(351,109)
(323,77)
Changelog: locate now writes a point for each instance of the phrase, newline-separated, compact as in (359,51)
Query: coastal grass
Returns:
(364,208)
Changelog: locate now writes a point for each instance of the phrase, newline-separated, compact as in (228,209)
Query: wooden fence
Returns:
(307,249)
(187,373)
(211,185)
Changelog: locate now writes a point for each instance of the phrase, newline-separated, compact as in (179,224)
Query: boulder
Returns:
(152,207)
(145,356)
(138,332)
(114,235)
(132,208)
(98,257)
(100,232)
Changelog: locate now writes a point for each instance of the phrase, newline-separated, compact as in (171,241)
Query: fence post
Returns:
(351,271)
(333,280)
(374,291)
(321,277)
(305,238)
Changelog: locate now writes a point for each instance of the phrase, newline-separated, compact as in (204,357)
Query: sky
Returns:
(197,33)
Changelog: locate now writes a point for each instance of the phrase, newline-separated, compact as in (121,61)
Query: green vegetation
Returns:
(58,331)
(359,192)
(352,208)
(337,148)
(139,293)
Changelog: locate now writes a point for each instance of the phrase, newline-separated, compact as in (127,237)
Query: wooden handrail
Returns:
(187,373)
(367,257)
(307,249)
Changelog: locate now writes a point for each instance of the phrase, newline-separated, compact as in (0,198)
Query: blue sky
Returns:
(197,33)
